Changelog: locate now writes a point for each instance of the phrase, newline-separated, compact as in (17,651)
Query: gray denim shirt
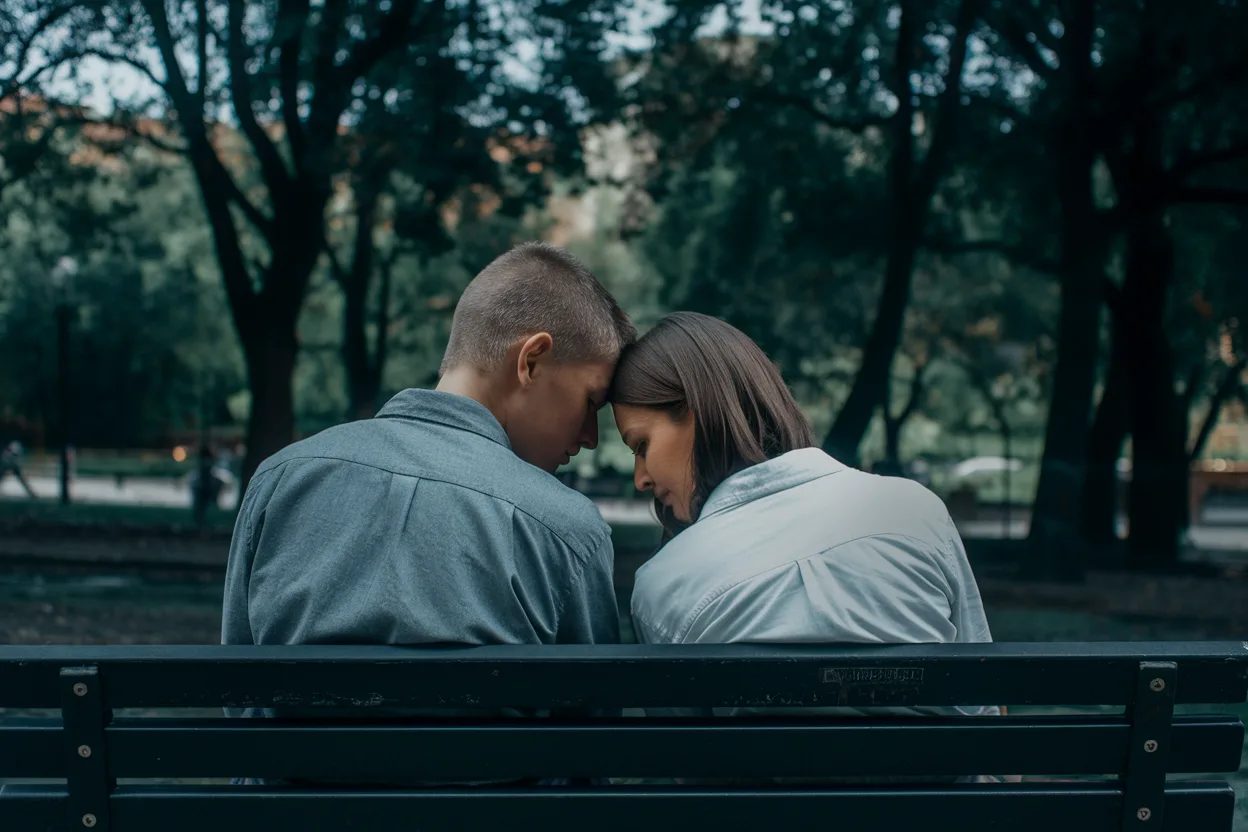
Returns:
(419,526)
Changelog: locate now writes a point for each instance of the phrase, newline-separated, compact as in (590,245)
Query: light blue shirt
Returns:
(419,526)
(802,548)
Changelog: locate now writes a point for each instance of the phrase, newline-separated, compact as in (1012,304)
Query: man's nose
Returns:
(641,477)
(589,432)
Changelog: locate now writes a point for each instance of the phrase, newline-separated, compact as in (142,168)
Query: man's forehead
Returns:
(597,373)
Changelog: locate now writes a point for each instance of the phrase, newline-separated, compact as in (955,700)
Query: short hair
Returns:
(534,288)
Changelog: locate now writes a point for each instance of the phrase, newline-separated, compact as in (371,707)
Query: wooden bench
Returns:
(90,755)
(1217,475)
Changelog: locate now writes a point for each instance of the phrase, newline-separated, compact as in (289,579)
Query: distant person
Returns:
(206,485)
(440,521)
(768,538)
(11,463)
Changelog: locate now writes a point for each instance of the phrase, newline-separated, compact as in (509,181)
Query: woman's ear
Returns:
(534,353)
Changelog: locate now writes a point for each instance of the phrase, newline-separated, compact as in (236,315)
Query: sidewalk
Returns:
(151,491)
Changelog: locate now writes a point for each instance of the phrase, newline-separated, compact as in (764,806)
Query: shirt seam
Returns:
(658,629)
(490,435)
(584,557)
(750,498)
(721,590)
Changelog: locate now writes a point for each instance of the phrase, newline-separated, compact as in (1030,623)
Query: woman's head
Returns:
(697,401)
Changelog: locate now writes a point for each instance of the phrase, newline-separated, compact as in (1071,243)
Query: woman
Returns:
(767,538)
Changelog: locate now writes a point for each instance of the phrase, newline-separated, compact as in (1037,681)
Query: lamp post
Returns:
(62,281)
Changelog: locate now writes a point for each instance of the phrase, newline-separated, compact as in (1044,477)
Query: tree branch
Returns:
(983,384)
(272,168)
(333,82)
(1194,377)
(947,104)
(129,61)
(396,30)
(159,144)
(1014,32)
(233,193)
(201,51)
(292,22)
(916,392)
(1231,385)
(49,19)
(175,81)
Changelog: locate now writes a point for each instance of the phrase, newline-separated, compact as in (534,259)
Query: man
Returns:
(11,463)
(439,521)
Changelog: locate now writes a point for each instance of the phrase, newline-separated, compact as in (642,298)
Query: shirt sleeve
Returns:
(590,614)
(235,615)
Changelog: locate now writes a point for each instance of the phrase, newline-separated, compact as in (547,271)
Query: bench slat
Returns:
(396,752)
(624,675)
(1028,807)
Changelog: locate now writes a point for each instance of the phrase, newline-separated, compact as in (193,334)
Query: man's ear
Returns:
(535,351)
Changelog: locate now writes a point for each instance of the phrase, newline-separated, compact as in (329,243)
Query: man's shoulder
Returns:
(570,515)
(455,460)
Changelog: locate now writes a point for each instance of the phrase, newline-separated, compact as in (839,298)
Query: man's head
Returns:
(535,338)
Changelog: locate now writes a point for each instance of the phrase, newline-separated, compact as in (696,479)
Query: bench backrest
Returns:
(1139,745)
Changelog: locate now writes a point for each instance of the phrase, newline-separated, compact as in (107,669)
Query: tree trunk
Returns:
(1228,387)
(1099,511)
(870,389)
(1157,500)
(361,386)
(911,189)
(270,359)
(362,377)
(890,465)
(871,384)
(1053,549)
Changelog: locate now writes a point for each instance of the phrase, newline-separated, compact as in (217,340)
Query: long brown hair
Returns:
(743,413)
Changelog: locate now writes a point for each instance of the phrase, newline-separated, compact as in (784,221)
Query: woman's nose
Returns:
(641,478)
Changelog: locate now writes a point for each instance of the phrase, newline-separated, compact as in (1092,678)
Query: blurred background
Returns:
(997,247)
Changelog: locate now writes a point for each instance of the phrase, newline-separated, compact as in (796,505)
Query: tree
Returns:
(145,326)
(1154,143)
(289,73)
(419,146)
(877,79)
(912,184)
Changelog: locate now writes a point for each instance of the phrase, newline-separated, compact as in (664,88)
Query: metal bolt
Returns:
(1158,685)
(80,689)
(88,819)
(84,751)
(1144,813)
(1150,746)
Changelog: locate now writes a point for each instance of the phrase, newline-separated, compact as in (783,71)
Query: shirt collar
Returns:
(771,477)
(447,409)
